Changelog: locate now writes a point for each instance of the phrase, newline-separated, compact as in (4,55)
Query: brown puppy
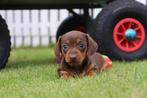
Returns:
(76,52)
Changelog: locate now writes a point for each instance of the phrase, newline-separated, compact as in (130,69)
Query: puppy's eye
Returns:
(65,47)
(81,46)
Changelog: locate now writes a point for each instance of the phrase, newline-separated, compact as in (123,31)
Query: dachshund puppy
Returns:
(76,52)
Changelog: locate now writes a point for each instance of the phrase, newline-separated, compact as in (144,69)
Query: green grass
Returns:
(31,73)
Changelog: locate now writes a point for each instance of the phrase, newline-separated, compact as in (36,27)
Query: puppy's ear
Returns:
(91,45)
(58,48)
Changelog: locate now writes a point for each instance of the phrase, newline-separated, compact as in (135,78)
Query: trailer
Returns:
(120,29)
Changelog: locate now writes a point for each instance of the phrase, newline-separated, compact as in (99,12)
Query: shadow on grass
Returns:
(32,63)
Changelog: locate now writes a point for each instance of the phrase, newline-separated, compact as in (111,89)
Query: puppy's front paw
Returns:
(88,73)
(91,73)
(65,75)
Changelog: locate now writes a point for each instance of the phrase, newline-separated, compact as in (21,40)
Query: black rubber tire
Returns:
(109,17)
(71,23)
(5,44)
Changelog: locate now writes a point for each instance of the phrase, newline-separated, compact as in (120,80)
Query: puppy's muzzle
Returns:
(73,59)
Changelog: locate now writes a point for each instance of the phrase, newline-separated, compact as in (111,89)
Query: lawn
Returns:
(31,73)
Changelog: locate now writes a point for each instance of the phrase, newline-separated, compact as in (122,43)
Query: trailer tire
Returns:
(72,23)
(5,44)
(115,18)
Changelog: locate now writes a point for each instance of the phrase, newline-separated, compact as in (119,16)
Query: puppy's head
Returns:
(74,47)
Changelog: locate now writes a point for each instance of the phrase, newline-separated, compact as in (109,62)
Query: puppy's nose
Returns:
(72,56)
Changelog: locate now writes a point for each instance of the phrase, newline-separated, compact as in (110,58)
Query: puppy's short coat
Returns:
(76,52)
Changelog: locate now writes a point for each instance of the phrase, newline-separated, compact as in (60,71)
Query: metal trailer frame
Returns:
(51,4)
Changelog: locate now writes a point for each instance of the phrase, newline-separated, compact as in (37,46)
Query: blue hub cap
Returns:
(130,34)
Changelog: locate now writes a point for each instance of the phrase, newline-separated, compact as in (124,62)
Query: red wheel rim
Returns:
(81,29)
(120,39)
